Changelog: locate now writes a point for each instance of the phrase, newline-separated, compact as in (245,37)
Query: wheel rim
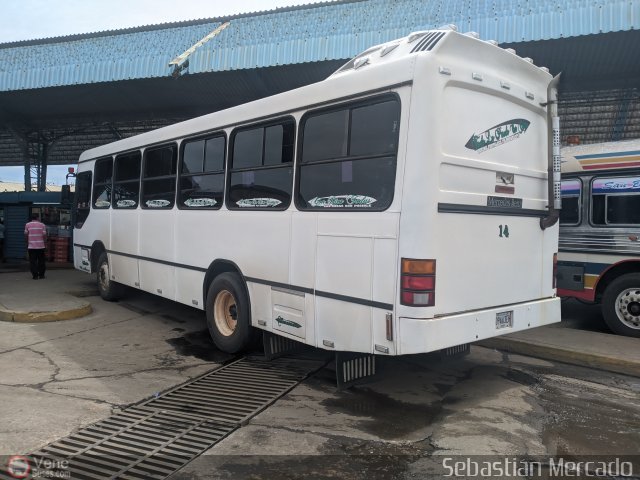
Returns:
(103,276)
(628,307)
(225,313)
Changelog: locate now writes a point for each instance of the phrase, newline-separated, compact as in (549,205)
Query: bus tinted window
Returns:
(102,183)
(83,197)
(159,181)
(192,156)
(615,201)
(126,184)
(214,154)
(360,175)
(570,213)
(247,148)
(266,180)
(325,136)
(374,129)
(202,173)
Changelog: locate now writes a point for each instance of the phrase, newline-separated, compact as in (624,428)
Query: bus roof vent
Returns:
(429,41)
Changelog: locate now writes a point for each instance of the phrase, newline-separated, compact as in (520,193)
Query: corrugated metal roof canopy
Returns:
(302,45)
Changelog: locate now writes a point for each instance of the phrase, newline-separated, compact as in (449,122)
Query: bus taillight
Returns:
(555,269)
(418,283)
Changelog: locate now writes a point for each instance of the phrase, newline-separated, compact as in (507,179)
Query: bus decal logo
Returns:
(283,321)
(101,204)
(258,202)
(126,203)
(342,201)
(157,203)
(498,135)
(200,202)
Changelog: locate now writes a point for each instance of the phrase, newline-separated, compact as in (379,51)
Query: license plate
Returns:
(504,319)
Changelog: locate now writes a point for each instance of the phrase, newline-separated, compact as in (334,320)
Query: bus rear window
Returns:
(348,157)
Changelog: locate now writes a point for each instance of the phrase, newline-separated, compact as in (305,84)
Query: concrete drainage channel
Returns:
(158,437)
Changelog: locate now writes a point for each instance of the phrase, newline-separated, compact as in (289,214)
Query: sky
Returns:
(35,19)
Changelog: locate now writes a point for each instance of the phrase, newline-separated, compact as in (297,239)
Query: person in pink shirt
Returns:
(35,233)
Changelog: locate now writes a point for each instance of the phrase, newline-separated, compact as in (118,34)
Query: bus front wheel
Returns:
(228,316)
(621,305)
(109,290)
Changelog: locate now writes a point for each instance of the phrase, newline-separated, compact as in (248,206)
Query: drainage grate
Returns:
(153,440)
(139,443)
(236,392)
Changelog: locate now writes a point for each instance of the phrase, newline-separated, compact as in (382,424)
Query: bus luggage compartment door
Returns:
(288,312)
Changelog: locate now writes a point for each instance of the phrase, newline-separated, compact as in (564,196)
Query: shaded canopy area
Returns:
(48,125)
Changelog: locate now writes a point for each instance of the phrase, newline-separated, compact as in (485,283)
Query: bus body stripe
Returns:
(319,293)
(483,210)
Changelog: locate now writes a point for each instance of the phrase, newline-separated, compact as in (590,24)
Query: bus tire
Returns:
(228,313)
(109,290)
(621,305)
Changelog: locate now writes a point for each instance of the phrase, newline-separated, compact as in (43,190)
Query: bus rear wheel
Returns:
(621,305)
(109,290)
(228,313)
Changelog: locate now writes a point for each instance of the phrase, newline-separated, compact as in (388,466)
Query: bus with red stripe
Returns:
(599,252)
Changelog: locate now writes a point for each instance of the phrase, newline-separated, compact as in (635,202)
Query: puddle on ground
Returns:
(584,421)
(197,344)
(340,458)
(386,417)
(521,377)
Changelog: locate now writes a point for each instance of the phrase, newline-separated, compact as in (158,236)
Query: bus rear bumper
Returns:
(420,335)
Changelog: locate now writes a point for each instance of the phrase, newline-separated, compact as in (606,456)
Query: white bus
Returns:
(400,206)
(599,258)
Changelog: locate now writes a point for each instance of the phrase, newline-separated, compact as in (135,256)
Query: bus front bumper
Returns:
(419,335)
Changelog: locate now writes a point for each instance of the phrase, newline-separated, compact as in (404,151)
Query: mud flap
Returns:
(353,368)
(276,346)
(457,351)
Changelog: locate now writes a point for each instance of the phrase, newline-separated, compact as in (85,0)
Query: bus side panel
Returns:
(355,260)
(189,287)
(124,240)
(157,242)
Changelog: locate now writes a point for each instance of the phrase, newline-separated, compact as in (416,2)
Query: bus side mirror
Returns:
(65,194)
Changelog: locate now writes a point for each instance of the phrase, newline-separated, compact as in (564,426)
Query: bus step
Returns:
(276,346)
(353,368)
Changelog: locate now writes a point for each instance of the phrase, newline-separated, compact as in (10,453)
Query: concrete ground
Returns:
(57,377)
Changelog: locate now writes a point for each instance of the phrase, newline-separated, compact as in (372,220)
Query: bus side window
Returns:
(159,178)
(126,181)
(102,182)
(615,201)
(571,194)
(349,157)
(202,173)
(83,198)
(261,170)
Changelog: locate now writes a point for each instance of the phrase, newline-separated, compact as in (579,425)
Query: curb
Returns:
(36,317)
(547,352)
